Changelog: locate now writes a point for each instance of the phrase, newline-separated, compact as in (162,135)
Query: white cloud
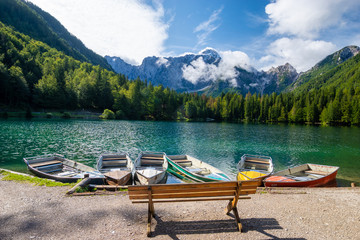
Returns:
(198,70)
(129,29)
(204,29)
(302,54)
(307,18)
(306,31)
(162,61)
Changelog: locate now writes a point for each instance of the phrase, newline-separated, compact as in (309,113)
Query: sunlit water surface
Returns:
(219,144)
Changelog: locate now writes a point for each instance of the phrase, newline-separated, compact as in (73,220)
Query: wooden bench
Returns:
(214,191)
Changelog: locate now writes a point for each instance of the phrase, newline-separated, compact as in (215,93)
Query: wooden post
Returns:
(82,183)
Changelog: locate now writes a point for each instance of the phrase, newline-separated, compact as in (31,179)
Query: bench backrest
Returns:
(191,192)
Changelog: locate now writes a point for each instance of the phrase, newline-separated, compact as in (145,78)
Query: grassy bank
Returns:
(11,176)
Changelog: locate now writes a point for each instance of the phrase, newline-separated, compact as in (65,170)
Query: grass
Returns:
(8,176)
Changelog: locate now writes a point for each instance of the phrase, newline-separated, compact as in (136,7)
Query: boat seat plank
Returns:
(112,159)
(150,162)
(152,158)
(38,164)
(316,172)
(180,159)
(53,170)
(214,191)
(114,163)
(257,161)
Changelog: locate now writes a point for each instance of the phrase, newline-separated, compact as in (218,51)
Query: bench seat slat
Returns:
(185,186)
(247,192)
(159,191)
(185,195)
(183,199)
(144,194)
(188,199)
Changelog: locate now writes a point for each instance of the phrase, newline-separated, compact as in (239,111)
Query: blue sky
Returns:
(235,24)
(258,33)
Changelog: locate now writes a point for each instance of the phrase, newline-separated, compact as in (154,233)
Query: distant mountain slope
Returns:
(27,18)
(324,69)
(167,71)
(345,75)
(206,72)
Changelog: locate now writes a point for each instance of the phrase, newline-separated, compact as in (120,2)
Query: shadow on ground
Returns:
(175,228)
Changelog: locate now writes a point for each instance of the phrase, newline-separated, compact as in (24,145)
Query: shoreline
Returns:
(39,212)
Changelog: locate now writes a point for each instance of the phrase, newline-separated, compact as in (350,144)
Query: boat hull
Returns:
(78,169)
(319,182)
(259,180)
(254,168)
(144,180)
(116,167)
(185,173)
(125,178)
(150,168)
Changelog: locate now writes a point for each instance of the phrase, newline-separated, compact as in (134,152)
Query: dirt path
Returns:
(33,212)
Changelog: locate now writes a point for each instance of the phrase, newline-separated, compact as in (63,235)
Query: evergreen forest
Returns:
(35,76)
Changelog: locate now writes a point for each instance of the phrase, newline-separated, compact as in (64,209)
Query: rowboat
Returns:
(190,168)
(306,175)
(255,168)
(116,167)
(59,168)
(150,168)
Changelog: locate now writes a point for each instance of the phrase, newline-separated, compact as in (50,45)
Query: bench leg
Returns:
(151,213)
(148,231)
(236,214)
(228,208)
(237,219)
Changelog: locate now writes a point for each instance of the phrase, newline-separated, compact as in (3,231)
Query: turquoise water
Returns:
(219,144)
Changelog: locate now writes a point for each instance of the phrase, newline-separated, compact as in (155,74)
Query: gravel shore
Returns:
(37,212)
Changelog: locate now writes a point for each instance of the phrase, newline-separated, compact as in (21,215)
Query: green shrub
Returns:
(49,115)
(66,115)
(120,114)
(107,114)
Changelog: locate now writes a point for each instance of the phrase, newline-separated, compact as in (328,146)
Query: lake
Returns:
(219,144)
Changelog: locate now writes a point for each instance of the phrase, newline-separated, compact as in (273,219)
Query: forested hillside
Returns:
(34,75)
(29,19)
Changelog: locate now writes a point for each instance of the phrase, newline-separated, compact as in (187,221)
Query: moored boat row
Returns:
(153,168)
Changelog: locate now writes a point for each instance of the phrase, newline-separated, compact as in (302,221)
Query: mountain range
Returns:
(206,72)
(206,66)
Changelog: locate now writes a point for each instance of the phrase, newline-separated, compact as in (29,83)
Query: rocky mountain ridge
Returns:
(206,76)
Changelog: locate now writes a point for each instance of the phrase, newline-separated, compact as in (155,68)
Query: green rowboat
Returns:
(189,168)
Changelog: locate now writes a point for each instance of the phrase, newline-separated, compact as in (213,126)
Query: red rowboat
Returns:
(306,175)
